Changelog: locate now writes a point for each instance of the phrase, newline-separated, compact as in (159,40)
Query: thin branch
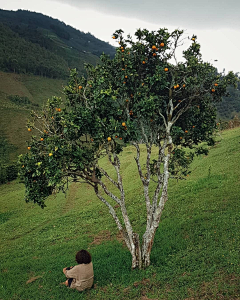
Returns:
(108,177)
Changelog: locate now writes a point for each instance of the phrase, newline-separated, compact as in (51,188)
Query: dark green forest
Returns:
(32,43)
(230,106)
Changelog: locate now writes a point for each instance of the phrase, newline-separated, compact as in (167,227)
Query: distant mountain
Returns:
(32,43)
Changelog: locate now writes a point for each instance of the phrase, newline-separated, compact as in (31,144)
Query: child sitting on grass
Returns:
(81,275)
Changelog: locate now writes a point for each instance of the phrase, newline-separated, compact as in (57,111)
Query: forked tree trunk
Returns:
(140,251)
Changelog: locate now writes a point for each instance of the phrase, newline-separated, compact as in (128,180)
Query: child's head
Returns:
(83,257)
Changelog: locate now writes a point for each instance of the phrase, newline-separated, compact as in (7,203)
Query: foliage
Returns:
(21,100)
(230,106)
(127,99)
(5,149)
(8,172)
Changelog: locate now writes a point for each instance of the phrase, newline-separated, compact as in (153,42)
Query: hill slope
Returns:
(19,94)
(196,248)
(34,43)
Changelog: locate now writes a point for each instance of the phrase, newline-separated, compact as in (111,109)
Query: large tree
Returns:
(143,97)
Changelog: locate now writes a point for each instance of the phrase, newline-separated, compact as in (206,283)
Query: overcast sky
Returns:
(215,22)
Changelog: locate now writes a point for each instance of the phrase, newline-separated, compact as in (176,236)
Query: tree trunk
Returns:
(148,239)
(141,255)
(136,252)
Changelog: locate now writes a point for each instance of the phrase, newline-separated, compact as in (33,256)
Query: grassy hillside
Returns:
(14,115)
(195,253)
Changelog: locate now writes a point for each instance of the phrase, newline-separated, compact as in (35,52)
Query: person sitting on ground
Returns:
(80,277)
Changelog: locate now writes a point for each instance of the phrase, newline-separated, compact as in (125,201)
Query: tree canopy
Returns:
(144,95)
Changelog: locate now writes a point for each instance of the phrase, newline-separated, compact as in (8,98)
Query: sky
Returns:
(215,22)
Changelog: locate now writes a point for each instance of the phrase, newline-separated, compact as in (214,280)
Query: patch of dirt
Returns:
(32,279)
(106,235)
(146,298)
(102,236)
(144,282)
(217,289)
(120,238)
(4,270)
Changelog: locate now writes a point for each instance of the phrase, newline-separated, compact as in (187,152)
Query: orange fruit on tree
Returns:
(116,136)
(29,147)
(216,84)
(154,54)
(41,139)
(120,138)
(124,82)
(166,69)
(80,87)
(154,47)
(123,124)
(143,62)
(123,69)
(59,109)
(127,100)
(143,84)
(114,37)
(109,139)
(122,50)
(186,131)
(50,154)
(184,85)
(193,126)
(162,45)
(193,39)
(213,90)
(29,129)
(122,47)
(179,101)
(126,76)
(180,138)
(177,85)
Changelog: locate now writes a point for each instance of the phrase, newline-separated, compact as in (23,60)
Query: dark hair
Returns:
(83,257)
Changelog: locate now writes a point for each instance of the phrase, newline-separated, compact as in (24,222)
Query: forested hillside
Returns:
(40,45)
(230,106)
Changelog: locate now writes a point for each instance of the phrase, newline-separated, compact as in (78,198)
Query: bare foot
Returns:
(65,283)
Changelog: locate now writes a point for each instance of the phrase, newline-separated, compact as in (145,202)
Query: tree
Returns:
(143,96)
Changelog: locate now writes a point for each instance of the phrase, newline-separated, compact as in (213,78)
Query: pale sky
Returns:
(215,22)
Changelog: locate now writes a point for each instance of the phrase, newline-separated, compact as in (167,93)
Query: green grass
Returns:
(195,253)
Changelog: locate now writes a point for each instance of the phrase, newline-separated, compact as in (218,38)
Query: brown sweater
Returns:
(82,276)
